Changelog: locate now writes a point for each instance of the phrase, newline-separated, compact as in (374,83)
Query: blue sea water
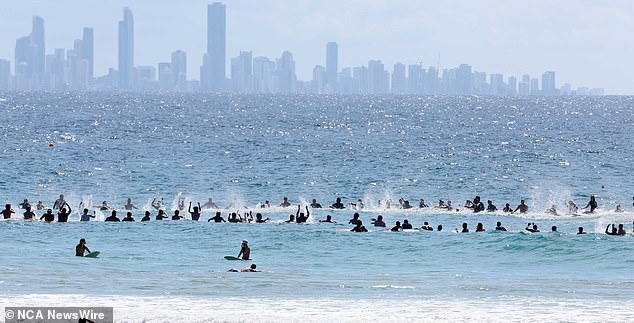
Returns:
(243,150)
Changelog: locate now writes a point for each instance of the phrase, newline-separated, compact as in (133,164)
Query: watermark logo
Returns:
(58,314)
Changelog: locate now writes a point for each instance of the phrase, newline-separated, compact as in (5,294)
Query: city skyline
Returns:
(324,58)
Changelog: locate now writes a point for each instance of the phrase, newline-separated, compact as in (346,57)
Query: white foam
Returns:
(183,309)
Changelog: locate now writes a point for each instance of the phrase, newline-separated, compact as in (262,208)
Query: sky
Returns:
(587,42)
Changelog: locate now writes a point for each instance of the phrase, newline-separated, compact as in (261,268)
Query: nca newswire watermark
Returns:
(58,314)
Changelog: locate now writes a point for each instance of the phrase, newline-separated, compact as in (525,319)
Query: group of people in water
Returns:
(64,210)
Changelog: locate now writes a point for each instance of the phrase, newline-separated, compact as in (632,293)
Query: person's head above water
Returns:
(82,241)
(356,215)
(338,200)
(245,242)
(7,206)
(314,200)
(254,266)
(380,217)
(405,221)
(499,224)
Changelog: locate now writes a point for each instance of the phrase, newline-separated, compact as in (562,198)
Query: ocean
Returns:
(243,150)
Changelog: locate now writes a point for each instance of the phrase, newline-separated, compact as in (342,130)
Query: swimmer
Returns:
(62,216)
(491,207)
(158,205)
(355,219)
(580,231)
(291,219)
(300,217)
(181,204)
(359,205)
(499,227)
(552,210)
(86,217)
(439,228)
(523,208)
(553,228)
(146,217)
(105,206)
(507,208)
(480,227)
(614,232)
(359,227)
(196,213)
(40,205)
(24,204)
(592,204)
(427,227)
(379,222)
(619,209)
(59,203)
(478,205)
(113,217)
(285,202)
(328,219)
(251,269)
(6,213)
(407,225)
(210,204)
(421,204)
(81,248)
(128,217)
(245,251)
(315,205)
(176,215)
(465,228)
(218,218)
(161,215)
(397,227)
(29,215)
(234,218)
(129,206)
(449,207)
(532,227)
(48,216)
(572,207)
(621,230)
(405,204)
(338,205)
(258,218)
(441,204)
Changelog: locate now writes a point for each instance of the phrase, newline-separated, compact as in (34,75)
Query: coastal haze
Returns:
(582,41)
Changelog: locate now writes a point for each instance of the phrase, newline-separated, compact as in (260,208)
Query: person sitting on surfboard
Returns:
(285,202)
(300,217)
(29,215)
(328,219)
(128,218)
(427,227)
(176,215)
(161,215)
(359,227)
(86,217)
(245,251)
(338,204)
(146,217)
(315,205)
(81,248)
(397,227)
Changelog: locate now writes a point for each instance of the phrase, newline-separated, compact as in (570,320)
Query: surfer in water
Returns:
(285,202)
(532,227)
(218,218)
(315,205)
(338,205)
(157,204)
(6,213)
(86,217)
(128,217)
(259,219)
(161,215)
(359,227)
(245,251)
(407,225)
(48,216)
(29,215)
(250,269)
(113,217)
(523,208)
(592,204)
(328,219)
(59,203)
(176,216)
(146,216)
(62,216)
(499,227)
(379,222)
(580,231)
(210,204)
(300,217)
(81,248)
(129,206)
(397,227)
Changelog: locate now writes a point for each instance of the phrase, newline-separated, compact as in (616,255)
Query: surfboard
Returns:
(235,258)
(93,254)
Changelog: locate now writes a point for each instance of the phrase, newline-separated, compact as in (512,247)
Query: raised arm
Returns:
(298,208)
(190,208)
(70,210)
(307,212)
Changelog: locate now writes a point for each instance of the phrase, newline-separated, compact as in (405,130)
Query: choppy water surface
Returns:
(243,150)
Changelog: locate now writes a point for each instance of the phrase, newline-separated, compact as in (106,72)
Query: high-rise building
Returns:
(415,80)
(215,75)
(166,76)
(88,52)
(378,78)
(535,86)
(360,80)
(179,69)
(511,86)
(23,63)
(464,80)
(399,80)
(332,66)
(319,79)
(285,71)
(345,81)
(263,70)
(242,72)
(497,84)
(5,75)
(548,83)
(39,51)
(126,51)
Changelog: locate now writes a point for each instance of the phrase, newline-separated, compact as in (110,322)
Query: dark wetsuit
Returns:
(112,218)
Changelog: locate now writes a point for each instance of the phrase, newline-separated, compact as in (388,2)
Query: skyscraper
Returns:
(242,72)
(5,74)
(126,50)
(399,81)
(39,49)
(87,52)
(548,83)
(332,65)
(214,80)
(179,69)
(285,70)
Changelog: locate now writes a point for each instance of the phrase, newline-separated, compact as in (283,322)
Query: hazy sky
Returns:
(587,42)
